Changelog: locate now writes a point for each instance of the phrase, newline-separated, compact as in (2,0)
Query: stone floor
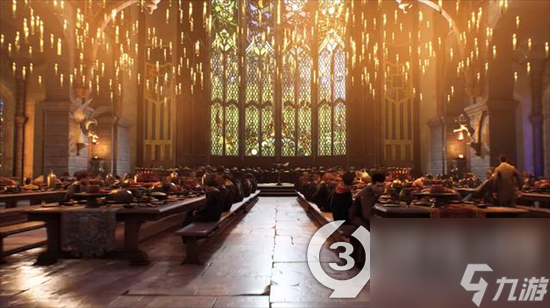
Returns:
(260,262)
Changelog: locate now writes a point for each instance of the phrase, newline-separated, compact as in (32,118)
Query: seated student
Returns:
(77,186)
(253,182)
(212,211)
(232,188)
(302,181)
(246,185)
(341,200)
(485,190)
(311,186)
(236,179)
(321,197)
(360,213)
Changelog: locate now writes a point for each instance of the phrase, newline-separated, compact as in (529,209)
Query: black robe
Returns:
(340,204)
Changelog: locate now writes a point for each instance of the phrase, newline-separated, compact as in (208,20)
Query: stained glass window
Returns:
(277,83)
(332,78)
(224,62)
(297,72)
(260,77)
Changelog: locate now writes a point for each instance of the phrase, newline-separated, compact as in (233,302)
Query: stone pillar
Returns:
(503,130)
(494,122)
(480,149)
(537,117)
(104,149)
(57,139)
(437,148)
(445,147)
(114,144)
(20,120)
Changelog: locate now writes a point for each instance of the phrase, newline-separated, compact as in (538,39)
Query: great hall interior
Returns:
(139,134)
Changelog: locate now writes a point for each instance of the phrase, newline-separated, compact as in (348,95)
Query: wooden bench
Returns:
(34,197)
(323,218)
(196,231)
(6,231)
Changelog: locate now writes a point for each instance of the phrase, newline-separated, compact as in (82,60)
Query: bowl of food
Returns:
(159,195)
(121,196)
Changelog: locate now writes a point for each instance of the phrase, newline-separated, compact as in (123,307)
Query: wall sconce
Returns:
(404,5)
(151,5)
(463,129)
(461,136)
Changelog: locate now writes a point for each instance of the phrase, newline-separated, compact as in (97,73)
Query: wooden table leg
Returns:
(50,256)
(131,243)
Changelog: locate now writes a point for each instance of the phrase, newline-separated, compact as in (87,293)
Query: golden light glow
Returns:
(461,136)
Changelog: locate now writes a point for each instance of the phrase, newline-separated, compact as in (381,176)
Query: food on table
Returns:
(30,187)
(121,196)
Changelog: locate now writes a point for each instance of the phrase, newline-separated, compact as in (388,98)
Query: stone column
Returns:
(20,120)
(538,67)
(58,137)
(503,129)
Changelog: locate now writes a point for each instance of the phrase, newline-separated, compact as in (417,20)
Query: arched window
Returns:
(224,65)
(297,74)
(260,79)
(332,78)
(272,55)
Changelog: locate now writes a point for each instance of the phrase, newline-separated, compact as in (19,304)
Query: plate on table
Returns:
(51,205)
(390,205)
(423,203)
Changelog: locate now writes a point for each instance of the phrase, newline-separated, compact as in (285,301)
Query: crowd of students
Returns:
(223,188)
(349,196)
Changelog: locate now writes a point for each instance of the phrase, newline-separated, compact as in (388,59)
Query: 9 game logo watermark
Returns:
(349,288)
(532,290)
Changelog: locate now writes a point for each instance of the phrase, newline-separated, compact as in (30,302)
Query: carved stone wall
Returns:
(56,136)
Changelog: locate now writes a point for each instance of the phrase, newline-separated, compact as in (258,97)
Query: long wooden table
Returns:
(428,212)
(527,198)
(35,197)
(132,218)
(536,197)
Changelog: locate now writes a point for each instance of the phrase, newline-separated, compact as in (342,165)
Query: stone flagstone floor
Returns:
(259,262)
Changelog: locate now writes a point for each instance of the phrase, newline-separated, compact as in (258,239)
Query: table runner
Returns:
(88,232)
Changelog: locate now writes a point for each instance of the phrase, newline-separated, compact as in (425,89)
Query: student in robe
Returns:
(485,190)
(247,186)
(232,192)
(342,198)
(253,182)
(226,193)
(321,197)
(361,212)
(506,183)
(212,211)
(235,176)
